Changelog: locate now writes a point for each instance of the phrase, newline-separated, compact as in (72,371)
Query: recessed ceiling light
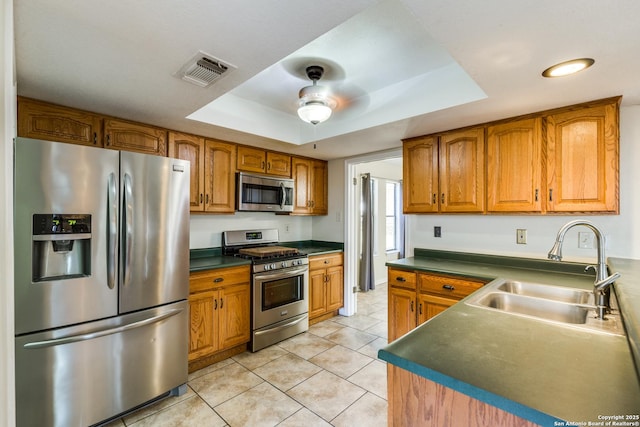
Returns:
(568,67)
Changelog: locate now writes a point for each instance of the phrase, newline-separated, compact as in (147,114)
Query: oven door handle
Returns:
(282,273)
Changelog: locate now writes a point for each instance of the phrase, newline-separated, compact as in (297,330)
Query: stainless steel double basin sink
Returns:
(562,306)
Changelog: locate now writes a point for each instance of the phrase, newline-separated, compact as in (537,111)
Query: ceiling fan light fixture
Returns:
(568,67)
(315,105)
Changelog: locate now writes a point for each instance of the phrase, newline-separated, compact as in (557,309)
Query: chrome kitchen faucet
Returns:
(602,284)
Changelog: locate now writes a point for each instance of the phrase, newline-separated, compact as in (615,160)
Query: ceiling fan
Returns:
(315,104)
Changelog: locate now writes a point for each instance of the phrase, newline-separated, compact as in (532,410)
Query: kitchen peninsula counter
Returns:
(545,373)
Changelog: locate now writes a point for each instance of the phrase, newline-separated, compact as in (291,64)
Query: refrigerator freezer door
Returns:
(81,375)
(154,231)
(54,284)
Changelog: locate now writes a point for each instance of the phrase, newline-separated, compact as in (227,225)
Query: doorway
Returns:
(385,169)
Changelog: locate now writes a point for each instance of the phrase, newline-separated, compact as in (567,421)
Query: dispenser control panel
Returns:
(61,224)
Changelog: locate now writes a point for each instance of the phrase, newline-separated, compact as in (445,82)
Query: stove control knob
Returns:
(273,266)
(265,267)
(284,264)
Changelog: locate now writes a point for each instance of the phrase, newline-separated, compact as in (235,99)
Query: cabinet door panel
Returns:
(317,293)
(121,135)
(583,160)
(420,175)
(202,317)
(220,158)
(462,165)
(234,309)
(431,306)
(278,164)
(335,288)
(251,159)
(402,312)
(191,147)
(302,173)
(40,120)
(514,167)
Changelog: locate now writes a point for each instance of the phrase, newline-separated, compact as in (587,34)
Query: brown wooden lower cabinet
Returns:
(417,401)
(219,310)
(415,297)
(326,286)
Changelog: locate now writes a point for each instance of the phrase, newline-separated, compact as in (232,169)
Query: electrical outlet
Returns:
(437,231)
(586,240)
(521,236)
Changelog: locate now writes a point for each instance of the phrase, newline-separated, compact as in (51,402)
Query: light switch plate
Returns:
(586,240)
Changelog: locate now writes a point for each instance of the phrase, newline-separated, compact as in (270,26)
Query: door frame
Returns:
(351,216)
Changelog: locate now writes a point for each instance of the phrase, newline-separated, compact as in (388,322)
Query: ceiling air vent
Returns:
(203,70)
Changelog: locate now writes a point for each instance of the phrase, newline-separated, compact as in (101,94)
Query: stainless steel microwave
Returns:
(260,193)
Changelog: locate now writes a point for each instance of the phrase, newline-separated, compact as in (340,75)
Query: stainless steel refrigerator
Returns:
(101,281)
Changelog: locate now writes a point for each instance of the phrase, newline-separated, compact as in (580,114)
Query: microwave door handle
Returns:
(283,195)
(112,230)
(127,210)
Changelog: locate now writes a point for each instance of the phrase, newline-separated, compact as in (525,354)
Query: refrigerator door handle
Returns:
(102,333)
(128,225)
(112,230)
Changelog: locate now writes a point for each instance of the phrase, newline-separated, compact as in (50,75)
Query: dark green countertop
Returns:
(212,258)
(539,371)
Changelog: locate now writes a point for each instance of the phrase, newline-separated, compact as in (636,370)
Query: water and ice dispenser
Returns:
(61,246)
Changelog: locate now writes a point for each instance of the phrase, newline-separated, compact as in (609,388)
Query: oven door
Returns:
(280,295)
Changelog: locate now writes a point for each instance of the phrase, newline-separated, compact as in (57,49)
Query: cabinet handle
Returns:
(420,309)
(442,199)
(434,198)
(551,194)
(200,197)
(449,287)
(262,167)
(207,199)
(326,261)
(215,304)
(108,140)
(401,279)
(268,166)
(221,303)
(218,279)
(412,306)
(95,138)
(536,196)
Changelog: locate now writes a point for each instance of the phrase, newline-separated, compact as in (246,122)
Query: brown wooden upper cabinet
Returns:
(559,161)
(311,186)
(251,159)
(212,171)
(130,136)
(583,159)
(514,166)
(41,120)
(445,172)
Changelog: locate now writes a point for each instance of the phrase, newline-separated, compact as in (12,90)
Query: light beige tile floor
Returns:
(328,376)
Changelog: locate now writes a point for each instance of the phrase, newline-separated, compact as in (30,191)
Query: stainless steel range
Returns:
(280,285)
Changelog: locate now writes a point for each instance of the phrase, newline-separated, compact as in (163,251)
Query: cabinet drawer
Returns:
(325,261)
(401,278)
(448,286)
(212,279)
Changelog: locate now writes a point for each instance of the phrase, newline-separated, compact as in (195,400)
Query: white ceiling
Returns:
(400,68)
